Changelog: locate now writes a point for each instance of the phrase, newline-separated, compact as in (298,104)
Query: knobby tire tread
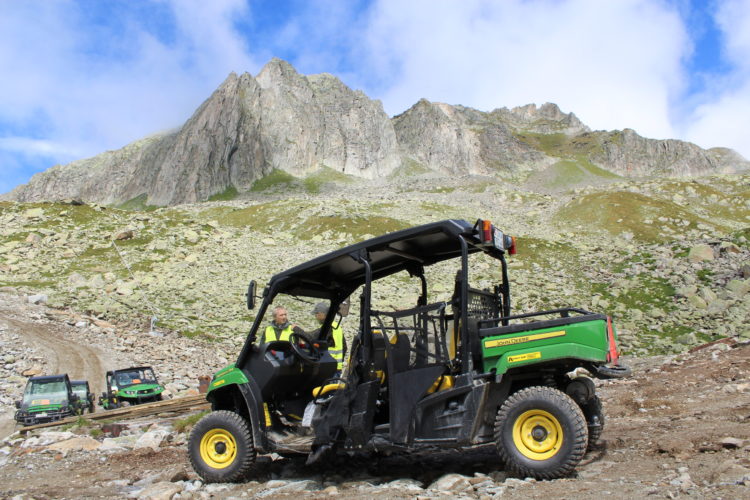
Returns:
(559,400)
(241,432)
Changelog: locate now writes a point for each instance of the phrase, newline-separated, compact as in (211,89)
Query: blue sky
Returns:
(83,77)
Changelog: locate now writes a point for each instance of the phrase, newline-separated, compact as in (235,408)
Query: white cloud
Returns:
(723,116)
(616,64)
(77,84)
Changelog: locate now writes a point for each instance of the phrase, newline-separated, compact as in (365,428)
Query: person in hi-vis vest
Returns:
(279,329)
(338,349)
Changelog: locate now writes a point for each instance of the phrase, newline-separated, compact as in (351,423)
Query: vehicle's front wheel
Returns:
(540,432)
(221,447)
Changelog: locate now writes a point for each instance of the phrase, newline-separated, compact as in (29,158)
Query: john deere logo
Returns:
(521,339)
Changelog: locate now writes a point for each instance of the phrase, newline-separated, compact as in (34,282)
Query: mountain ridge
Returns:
(283,120)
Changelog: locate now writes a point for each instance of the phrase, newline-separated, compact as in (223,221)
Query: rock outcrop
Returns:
(247,128)
(281,120)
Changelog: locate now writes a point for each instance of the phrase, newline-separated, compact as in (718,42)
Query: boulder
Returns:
(700,253)
(77,443)
(163,490)
(124,235)
(453,483)
(729,247)
(739,288)
(37,299)
(151,439)
(697,302)
(34,239)
(34,213)
(191,236)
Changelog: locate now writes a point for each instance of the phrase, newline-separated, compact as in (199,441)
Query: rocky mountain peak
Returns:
(283,120)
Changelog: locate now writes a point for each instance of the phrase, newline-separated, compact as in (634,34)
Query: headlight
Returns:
(129,392)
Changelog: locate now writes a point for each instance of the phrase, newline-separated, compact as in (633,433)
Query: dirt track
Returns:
(62,355)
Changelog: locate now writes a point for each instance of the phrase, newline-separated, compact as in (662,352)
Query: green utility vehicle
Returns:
(130,386)
(455,372)
(47,399)
(85,396)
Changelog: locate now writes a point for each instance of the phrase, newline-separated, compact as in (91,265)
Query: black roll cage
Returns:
(336,275)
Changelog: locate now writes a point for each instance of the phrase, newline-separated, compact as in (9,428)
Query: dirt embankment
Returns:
(58,354)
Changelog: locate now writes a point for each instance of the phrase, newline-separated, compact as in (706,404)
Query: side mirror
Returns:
(344,308)
(18,404)
(251,295)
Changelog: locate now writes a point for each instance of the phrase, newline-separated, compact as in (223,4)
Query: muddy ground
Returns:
(679,428)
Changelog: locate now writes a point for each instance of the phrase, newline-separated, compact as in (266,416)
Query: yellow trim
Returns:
(524,357)
(541,447)
(442,383)
(325,389)
(268,415)
(211,456)
(218,383)
(522,339)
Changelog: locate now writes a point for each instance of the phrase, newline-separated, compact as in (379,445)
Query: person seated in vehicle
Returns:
(338,349)
(279,329)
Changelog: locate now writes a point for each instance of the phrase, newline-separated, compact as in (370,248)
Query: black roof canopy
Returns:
(339,271)
(49,378)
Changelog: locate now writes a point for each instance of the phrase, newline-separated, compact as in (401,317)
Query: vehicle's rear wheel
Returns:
(594,414)
(221,447)
(540,432)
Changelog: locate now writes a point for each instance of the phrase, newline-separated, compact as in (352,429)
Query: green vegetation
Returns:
(562,145)
(409,168)
(187,423)
(228,194)
(356,226)
(275,180)
(568,173)
(137,204)
(623,211)
(325,175)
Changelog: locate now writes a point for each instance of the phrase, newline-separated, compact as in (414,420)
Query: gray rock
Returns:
(163,490)
(404,484)
(452,482)
(700,253)
(151,439)
(730,442)
(37,299)
(740,288)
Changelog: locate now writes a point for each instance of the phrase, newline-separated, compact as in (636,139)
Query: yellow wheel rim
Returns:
(218,448)
(537,434)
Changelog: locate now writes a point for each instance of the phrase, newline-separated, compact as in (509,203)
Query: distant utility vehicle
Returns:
(130,386)
(47,399)
(451,373)
(85,396)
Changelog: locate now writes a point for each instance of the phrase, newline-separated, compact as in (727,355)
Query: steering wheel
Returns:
(309,354)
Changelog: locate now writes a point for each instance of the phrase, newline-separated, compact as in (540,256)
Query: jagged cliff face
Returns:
(283,120)
(247,128)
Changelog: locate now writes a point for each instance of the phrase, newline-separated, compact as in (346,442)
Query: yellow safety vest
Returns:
(270,334)
(338,345)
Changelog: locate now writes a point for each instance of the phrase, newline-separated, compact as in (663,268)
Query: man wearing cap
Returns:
(338,349)
(279,329)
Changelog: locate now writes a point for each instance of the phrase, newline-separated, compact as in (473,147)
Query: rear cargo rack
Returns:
(535,321)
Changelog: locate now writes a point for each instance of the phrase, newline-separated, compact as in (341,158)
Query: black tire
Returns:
(594,415)
(560,434)
(221,447)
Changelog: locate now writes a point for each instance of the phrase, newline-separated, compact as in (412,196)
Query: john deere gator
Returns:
(455,371)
